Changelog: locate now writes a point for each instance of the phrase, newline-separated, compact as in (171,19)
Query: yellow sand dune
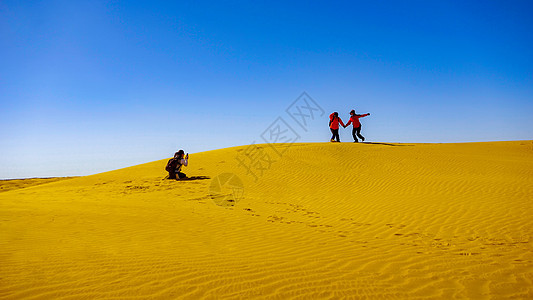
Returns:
(322,220)
(15,184)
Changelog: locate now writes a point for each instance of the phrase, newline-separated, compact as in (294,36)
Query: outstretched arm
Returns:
(349,122)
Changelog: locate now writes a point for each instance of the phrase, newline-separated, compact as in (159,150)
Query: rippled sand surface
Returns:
(319,220)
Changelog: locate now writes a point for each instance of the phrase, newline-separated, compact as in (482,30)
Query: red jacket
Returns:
(334,122)
(355,120)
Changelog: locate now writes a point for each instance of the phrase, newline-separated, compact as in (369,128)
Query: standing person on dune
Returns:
(356,131)
(334,121)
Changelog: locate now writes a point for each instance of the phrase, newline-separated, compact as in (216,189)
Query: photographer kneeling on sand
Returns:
(174,165)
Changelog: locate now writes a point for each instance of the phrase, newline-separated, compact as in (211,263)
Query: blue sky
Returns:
(92,86)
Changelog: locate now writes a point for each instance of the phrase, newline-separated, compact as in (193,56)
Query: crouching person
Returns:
(174,165)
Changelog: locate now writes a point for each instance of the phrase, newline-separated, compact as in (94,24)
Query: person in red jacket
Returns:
(334,121)
(356,131)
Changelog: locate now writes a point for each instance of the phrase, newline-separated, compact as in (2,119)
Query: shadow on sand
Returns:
(387,144)
(194,178)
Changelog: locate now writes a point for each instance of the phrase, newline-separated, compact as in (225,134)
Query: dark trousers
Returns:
(172,175)
(335,134)
(356,132)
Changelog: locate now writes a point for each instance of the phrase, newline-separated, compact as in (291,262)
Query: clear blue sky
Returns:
(91,86)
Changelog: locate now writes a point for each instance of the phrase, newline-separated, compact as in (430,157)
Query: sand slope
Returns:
(15,184)
(323,220)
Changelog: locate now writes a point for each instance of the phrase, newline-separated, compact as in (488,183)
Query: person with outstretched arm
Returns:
(334,121)
(356,131)
(174,165)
